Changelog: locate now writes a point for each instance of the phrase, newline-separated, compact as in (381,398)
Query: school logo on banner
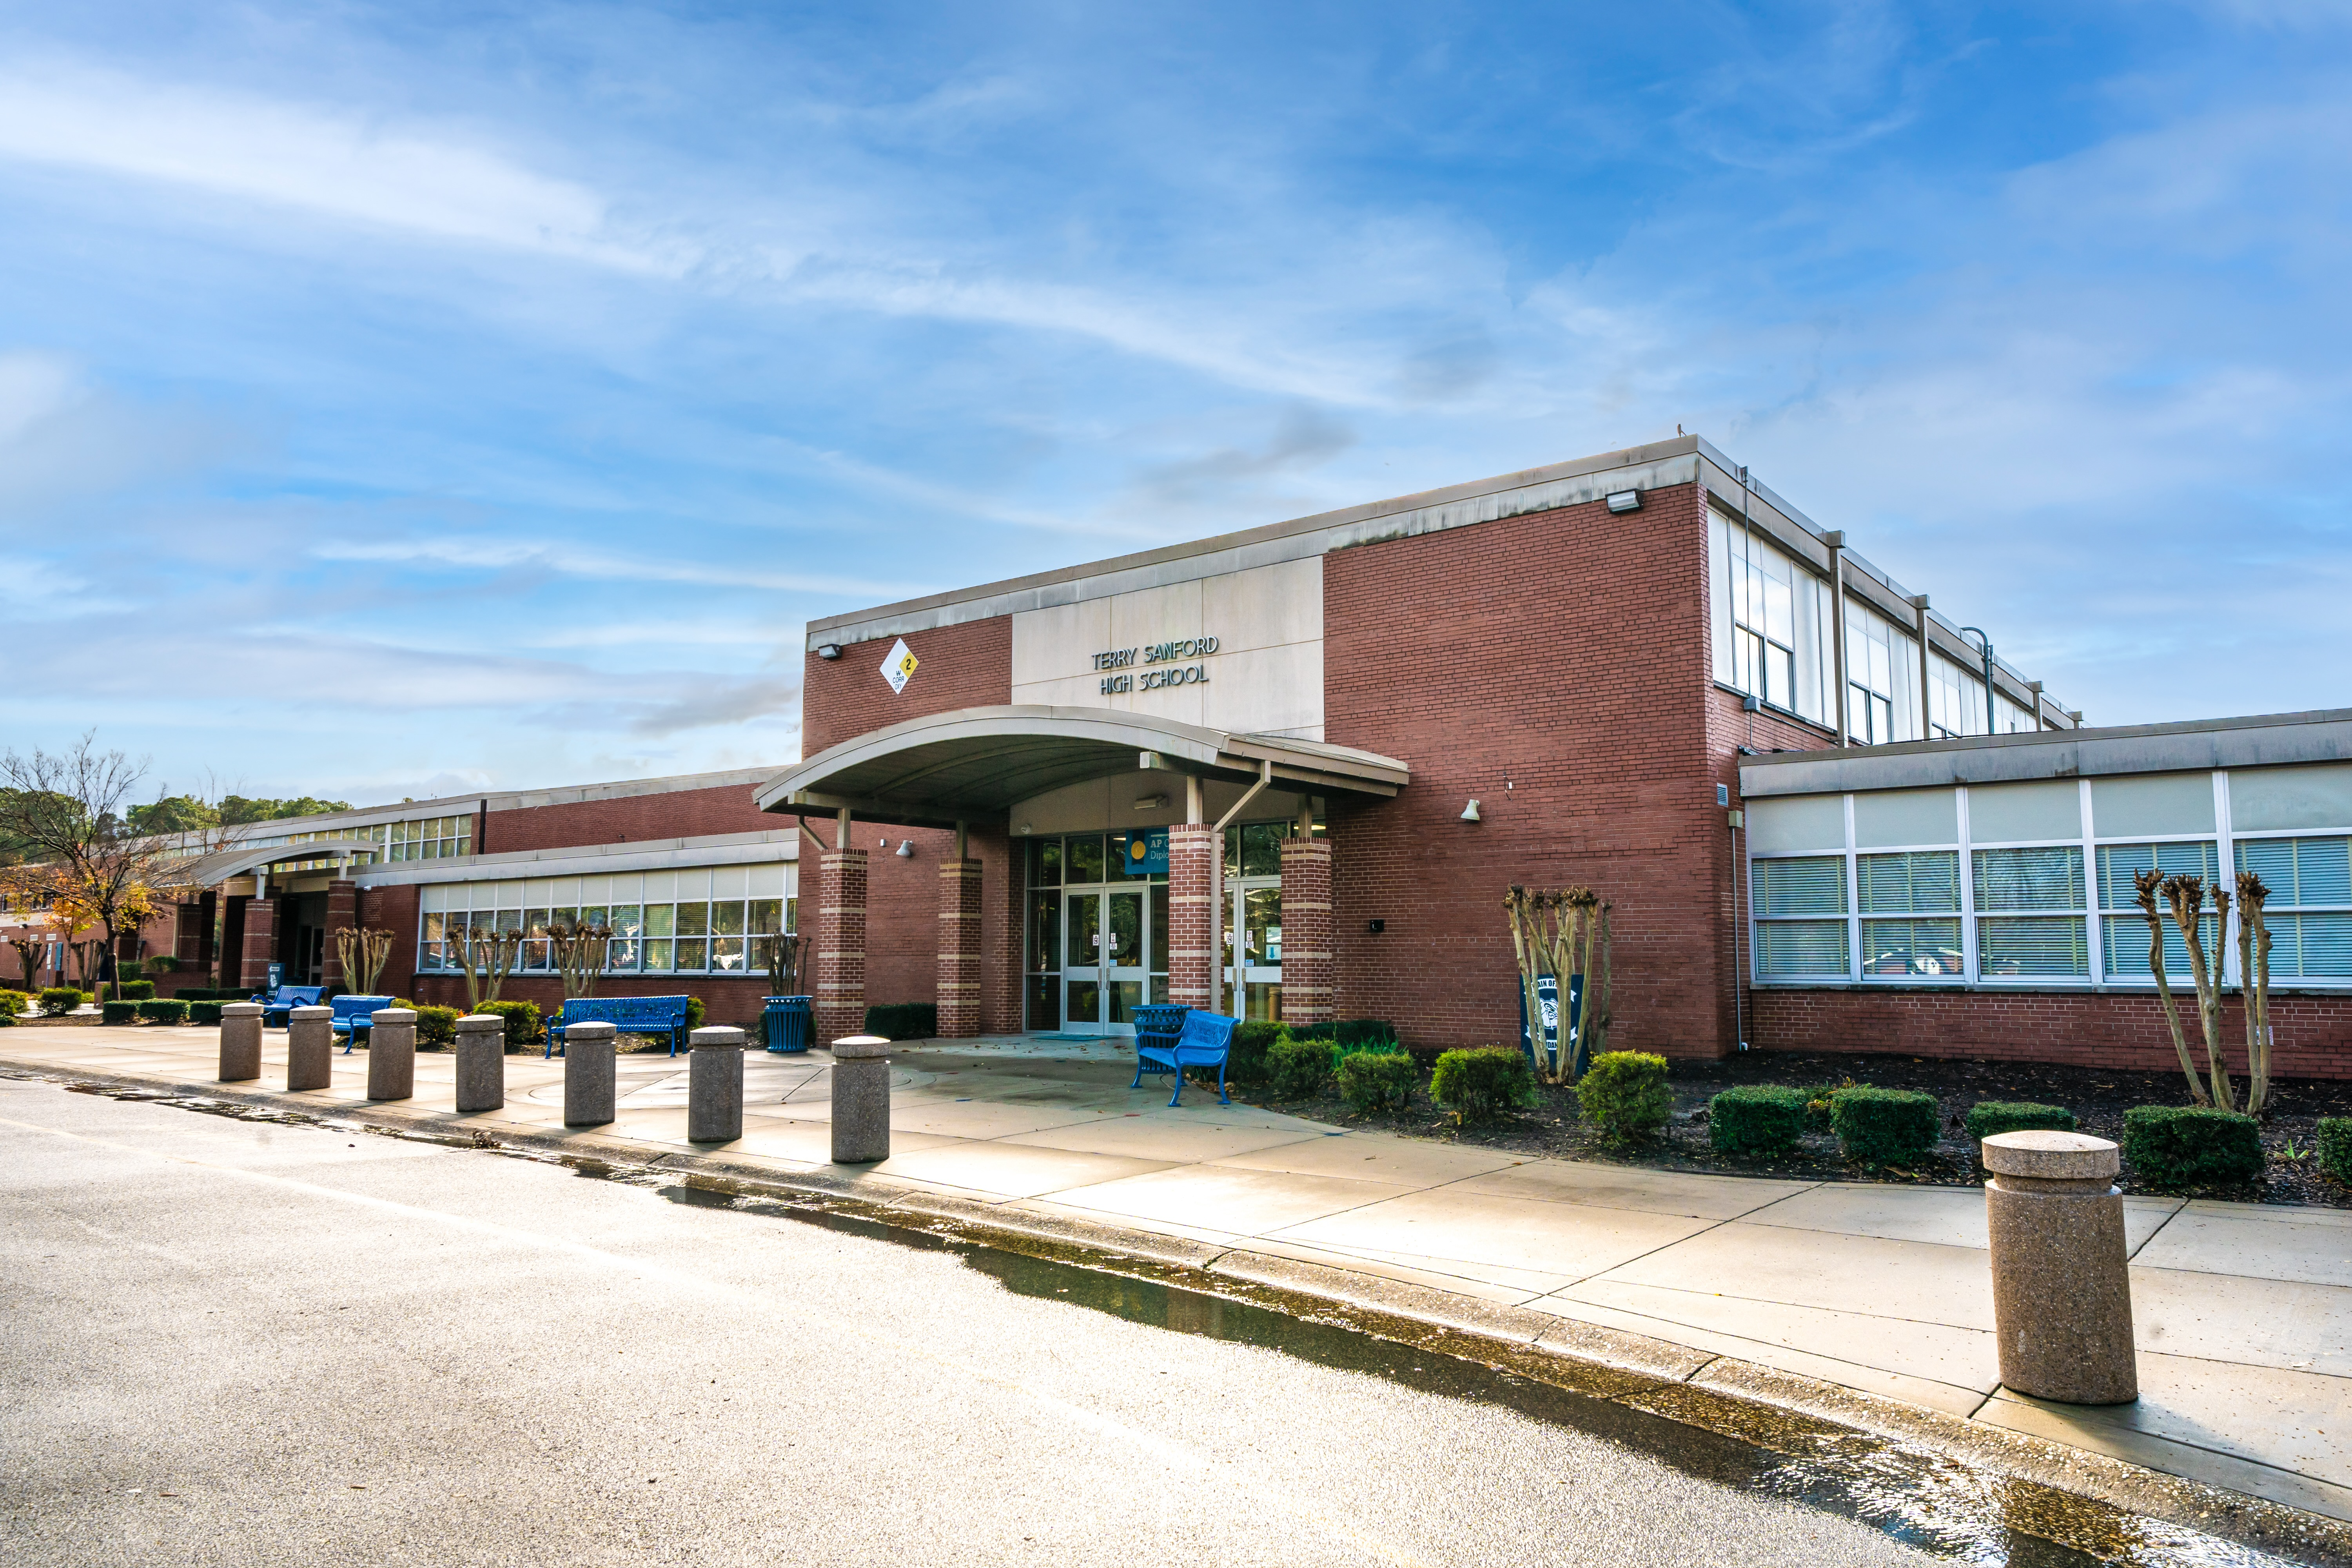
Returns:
(899,667)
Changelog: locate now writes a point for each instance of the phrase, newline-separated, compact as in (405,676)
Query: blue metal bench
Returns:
(1206,1039)
(627,1014)
(353,1014)
(1157,1027)
(276,1004)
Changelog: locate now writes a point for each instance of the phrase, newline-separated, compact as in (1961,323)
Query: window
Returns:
(432,838)
(2309,911)
(1799,907)
(1954,699)
(673,934)
(1768,619)
(2126,941)
(1870,673)
(2031,917)
(1911,914)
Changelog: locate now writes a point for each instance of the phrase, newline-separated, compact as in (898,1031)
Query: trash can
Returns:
(786,1020)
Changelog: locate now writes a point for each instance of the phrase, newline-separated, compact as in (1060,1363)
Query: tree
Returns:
(25,894)
(2146,885)
(2254,987)
(363,951)
(487,956)
(237,809)
(580,952)
(1564,935)
(2188,898)
(68,811)
(174,814)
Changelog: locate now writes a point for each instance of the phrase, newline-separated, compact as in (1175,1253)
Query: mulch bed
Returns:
(2098,1097)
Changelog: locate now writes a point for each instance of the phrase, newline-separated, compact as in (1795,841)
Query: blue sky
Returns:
(403,400)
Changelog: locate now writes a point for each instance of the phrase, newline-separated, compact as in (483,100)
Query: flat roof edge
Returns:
(2261,740)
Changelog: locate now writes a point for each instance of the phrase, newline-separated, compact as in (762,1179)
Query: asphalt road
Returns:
(239,1344)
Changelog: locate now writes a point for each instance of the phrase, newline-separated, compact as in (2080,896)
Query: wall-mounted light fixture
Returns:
(829,650)
(1470,813)
(1378,926)
(906,850)
(1151,803)
(1625,500)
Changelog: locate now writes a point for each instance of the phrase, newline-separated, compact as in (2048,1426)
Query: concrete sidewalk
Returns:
(2243,1311)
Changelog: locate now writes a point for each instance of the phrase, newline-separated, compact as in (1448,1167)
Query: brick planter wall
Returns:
(2311,1035)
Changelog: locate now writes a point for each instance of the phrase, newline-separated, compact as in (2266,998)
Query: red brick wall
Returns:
(2312,1034)
(1555,667)
(673,814)
(1306,953)
(959,981)
(726,1000)
(967,666)
(397,908)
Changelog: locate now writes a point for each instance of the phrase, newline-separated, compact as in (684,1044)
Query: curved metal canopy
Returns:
(972,764)
(211,870)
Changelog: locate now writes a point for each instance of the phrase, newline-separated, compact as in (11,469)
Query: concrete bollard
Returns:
(588,1074)
(2061,1279)
(392,1053)
(481,1052)
(714,1086)
(309,1047)
(240,1045)
(861,1100)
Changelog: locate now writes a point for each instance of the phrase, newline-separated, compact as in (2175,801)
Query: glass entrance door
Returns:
(1254,923)
(1103,972)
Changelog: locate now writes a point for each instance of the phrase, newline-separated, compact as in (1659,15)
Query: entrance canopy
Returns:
(212,870)
(973,764)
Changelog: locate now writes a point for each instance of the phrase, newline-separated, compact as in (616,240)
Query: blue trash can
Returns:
(786,1019)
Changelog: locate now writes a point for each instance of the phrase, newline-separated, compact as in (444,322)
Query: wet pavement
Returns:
(2243,1312)
(237,1340)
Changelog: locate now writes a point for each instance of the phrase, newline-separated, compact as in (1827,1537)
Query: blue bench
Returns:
(1204,1040)
(627,1014)
(276,1004)
(353,1014)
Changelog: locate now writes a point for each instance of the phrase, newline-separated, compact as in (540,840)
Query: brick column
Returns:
(188,932)
(1308,965)
(343,914)
(958,993)
(1192,894)
(840,944)
(260,941)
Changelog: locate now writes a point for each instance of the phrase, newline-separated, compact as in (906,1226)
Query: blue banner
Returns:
(1147,852)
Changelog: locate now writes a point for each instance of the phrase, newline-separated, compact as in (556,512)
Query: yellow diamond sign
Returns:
(899,666)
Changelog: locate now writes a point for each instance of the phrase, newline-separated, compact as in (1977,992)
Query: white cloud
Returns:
(580,560)
(331,163)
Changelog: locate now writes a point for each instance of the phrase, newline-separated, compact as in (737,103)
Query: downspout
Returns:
(1927,728)
(1835,540)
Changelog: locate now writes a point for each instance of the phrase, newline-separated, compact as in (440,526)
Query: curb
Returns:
(1762,1405)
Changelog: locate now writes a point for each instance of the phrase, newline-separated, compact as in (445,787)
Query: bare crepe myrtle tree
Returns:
(784,957)
(1563,935)
(363,951)
(2146,886)
(2187,897)
(2254,988)
(488,956)
(579,955)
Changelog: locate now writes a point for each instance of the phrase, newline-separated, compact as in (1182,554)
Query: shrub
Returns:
(1246,1063)
(138,991)
(163,963)
(1377,1080)
(1817,1102)
(205,1012)
(2182,1145)
(437,1028)
(14,1002)
(695,1013)
(2335,1147)
(1374,1032)
(163,1010)
(522,1022)
(1625,1094)
(57,1001)
(1480,1083)
(1988,1118)
(1298,1068)
(1883,1126)
(901,1020)
(1755,1120)
(118,1012)
(1327,1031)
